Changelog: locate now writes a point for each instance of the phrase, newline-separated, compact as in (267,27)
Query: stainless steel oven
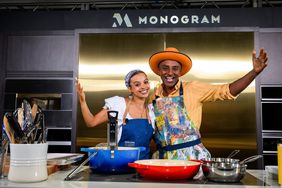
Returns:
(271,106)
(270,141)
(271,118)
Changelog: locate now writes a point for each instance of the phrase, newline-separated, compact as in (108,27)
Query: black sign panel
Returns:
(182,18)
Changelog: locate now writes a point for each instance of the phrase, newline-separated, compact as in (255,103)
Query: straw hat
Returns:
(170,54)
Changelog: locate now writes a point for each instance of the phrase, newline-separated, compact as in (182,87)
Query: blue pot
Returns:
(103,162)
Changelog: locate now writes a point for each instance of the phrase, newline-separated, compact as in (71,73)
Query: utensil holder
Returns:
(28,162)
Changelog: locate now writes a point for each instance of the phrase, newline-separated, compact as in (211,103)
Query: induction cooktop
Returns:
(88,175)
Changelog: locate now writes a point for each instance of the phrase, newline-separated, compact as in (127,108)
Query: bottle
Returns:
(279,161)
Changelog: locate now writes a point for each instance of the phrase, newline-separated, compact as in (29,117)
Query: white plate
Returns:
(63,158)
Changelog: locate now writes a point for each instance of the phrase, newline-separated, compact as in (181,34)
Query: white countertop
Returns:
(57,180)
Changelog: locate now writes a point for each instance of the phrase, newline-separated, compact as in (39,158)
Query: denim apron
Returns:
(137,133)
(176,135)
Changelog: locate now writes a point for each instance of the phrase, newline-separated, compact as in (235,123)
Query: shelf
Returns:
(59,143)
(54,97)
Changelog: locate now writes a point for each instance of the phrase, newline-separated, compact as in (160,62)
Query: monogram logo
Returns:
(118,20)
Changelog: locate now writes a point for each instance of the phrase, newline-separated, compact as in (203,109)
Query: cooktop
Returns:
(88,175)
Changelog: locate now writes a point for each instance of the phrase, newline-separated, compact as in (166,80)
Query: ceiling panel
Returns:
(82,5)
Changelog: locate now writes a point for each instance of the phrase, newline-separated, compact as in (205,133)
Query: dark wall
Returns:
(40,54)
(2,71)
(272,41)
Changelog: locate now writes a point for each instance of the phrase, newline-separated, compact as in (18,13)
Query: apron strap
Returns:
(181,89)
(178,146)
(147,115)
(154,101)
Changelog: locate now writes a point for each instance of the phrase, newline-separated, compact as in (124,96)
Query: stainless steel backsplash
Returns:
(218,57)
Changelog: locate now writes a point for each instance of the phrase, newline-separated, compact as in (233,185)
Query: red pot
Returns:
(165,169)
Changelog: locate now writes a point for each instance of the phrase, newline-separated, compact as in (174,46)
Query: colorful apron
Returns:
(176,135)
(137,133)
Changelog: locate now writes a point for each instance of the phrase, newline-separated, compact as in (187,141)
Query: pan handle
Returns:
(250,159)
(233,153)
(76,170)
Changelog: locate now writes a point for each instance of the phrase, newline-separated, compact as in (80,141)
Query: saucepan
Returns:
(228,170)
(112,161)
(166,169)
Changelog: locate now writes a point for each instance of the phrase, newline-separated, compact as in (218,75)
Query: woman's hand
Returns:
(80,90)
(90,119)
(260,62)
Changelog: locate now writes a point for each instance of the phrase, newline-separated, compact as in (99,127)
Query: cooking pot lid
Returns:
(166,162)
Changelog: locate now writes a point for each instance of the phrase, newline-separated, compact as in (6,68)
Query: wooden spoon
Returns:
(21,117)
(10,132)
(34,111)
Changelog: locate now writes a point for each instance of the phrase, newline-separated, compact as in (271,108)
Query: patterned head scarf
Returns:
(130,75)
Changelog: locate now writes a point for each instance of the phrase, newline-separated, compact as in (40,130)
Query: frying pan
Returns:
(227,171)
(103,162)
(166,169)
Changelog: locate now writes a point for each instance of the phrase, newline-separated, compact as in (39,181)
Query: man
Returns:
(178,104)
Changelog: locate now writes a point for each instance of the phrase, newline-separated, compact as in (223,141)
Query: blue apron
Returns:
(137,133)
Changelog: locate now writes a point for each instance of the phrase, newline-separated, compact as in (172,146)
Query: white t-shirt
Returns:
(117,103)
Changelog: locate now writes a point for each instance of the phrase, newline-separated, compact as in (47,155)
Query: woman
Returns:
(135,128)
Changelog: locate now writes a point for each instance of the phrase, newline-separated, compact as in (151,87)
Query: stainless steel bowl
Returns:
(224,172)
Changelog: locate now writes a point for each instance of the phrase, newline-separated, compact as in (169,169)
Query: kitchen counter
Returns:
(57,180)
